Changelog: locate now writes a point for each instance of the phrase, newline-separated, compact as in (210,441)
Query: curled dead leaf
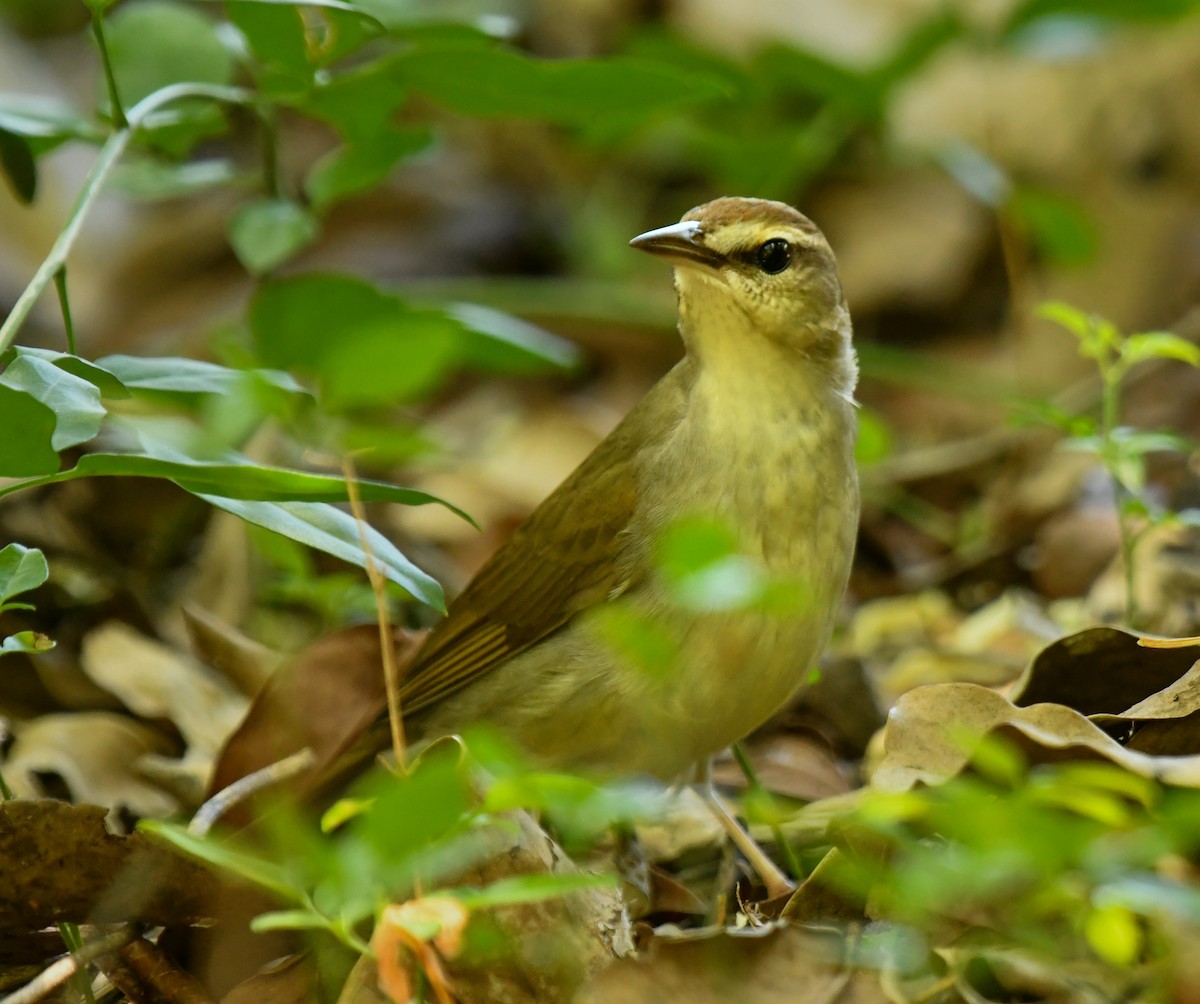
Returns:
(931,731)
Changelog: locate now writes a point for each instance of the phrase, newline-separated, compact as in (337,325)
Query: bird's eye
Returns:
(773,256)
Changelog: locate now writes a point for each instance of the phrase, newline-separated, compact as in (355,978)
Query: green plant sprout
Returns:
(399,836)
(1122,449)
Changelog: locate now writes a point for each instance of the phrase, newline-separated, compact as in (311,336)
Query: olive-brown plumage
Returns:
(754,427)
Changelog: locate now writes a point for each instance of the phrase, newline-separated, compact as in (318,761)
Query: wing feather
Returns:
(571,553)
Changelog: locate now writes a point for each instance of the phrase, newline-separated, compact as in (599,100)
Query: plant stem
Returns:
(74,941)
(110,153)
(785,849)
(110,78)
(60,283)
(387,643)
(1110,414)
(270,149)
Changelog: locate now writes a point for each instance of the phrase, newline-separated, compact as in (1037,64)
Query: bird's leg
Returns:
(776,882)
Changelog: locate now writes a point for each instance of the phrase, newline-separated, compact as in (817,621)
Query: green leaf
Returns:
(43,122)
(501,343)
(189,376)
(268,232)
(875,440)
(107,383)
(242,480)
(17,160)
(1096,335)
(1159,345)
(26,448)
(1059,227)
(364,346)
(528,889)
(21,569)
(74,400)
(503,83)
(1116,10)
(152,179)
(336,532)
(361,165)
(1115,934)
(290,920)
(295,321)
(800,71)
(275,33)
(210,851)
(157,42)
(382,365)
(26,642)
(647,644)
(360,104)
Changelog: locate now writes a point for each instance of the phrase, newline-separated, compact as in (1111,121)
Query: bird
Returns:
(755,427)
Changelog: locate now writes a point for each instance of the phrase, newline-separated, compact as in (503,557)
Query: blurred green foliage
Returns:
(1072,861)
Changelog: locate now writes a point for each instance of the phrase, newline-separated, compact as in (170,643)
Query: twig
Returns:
(391,675)
(143,967)
(244,787)
(57,973)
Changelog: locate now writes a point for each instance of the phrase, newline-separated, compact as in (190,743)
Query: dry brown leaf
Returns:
(931,730)
(289,980)
(792,765)
(1100,671)
(62,864)
(156,681)
(768,965)
(244,662)
(95,753)
(323,699)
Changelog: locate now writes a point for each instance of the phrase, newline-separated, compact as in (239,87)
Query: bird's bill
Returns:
(680,243)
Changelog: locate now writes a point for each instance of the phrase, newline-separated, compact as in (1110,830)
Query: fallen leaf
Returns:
(324,698)
(95,754)
(156,681)
(931,730)
(1100,671)
(61,863)
(775,964)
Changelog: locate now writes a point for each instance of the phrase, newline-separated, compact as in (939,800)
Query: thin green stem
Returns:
(270,149)
(1110,416)
(110,78)
(110,153)
(785,849)
(64,302)
(6,794)
(74,941)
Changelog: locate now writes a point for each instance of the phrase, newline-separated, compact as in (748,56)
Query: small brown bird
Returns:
(754,427)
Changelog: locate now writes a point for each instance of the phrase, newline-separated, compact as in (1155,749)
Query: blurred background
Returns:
(969,162)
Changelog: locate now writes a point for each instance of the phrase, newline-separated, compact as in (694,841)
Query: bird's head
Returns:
(753,268)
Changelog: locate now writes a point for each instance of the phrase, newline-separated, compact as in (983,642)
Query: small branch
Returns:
(57,973)
(244,787)
(391,675)
(110,153)
(110,78)
(142,967)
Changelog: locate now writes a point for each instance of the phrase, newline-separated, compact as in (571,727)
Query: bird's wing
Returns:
(565,557)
